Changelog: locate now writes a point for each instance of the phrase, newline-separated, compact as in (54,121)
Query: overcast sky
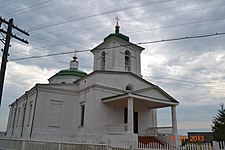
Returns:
(192,70)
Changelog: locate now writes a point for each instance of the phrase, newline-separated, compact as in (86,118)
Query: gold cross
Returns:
(117,19)
(75,55)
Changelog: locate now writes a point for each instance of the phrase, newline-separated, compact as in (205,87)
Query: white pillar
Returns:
(174,120)
(130,123)
(24,145)
(154,118)
(174,126)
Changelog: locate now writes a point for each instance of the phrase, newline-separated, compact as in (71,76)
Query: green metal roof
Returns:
(71,72)
(119,35)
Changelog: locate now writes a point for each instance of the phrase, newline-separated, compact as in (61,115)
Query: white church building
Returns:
(112,102)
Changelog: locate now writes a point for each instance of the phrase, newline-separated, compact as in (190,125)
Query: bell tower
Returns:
(117,53)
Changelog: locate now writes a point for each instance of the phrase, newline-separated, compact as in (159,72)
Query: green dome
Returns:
(71,72)
(119,35)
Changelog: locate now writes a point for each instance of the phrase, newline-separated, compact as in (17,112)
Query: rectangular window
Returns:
(18,117)
(82,115)
(23,116)
(14,119)
(127,61)
(29,115)
(55,114)
(11,118)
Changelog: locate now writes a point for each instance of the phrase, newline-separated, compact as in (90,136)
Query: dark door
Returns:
(125,115)
(135,122)
(135,119)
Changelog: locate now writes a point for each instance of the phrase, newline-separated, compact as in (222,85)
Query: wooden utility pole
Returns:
(9,35)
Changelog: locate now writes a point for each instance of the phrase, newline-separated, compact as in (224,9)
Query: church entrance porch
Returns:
(139,115)
(135,130)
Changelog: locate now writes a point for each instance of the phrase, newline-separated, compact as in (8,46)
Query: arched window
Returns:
(127,60)
(103,61)
(129,87)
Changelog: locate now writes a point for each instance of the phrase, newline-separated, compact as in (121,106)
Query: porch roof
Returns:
(151,102)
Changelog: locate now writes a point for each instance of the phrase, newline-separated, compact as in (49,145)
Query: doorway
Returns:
(135,119)
(135,122)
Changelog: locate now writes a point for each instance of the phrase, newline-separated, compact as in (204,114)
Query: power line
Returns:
(82,13)
(41,56)
(148,29)
(98,14)
(30,6)
(58,11)
(198,9)
(182,81)
(219,5)
(169,26)
(157,28)
(140,43)
(183,38)
(178,25)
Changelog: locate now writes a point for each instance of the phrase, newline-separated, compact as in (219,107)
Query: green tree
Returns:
(218,126)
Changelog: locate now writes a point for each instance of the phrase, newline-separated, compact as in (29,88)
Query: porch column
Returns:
(174,120)
(130,114)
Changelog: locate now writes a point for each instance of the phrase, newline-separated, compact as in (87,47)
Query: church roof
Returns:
(151,102)
(71,72)
(119,35)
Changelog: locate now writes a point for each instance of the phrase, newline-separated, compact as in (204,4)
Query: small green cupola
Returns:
(117,32)
(68,75)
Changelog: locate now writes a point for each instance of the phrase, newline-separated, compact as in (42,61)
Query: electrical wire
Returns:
(175,13)
(140,43)
(182,38)
(94,15)
(138,31)
(29,6)
(170,7)
(170,26)
(53,14)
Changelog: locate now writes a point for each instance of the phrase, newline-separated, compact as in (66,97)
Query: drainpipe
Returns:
(32,123)
(24,112)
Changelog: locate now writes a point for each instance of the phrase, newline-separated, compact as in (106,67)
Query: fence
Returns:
(8,144)
(218,145)
(12,144)
(205,146)
(157,146)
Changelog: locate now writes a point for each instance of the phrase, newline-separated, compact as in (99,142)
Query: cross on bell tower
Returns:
(117,24)
(74,63)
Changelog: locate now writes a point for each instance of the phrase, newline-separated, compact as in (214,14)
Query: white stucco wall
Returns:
(14,129)
(56,111)
(118,80)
